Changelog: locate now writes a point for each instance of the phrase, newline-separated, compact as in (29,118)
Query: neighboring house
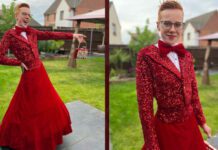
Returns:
(61,10)
(115,27)
(33,22)
(199,26)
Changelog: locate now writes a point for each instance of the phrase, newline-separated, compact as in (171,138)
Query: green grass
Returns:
(85,83)
(125,126)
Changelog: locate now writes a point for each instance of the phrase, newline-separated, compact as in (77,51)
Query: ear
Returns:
(15,16)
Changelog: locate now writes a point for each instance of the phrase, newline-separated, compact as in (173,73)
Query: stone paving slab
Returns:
(88,128)
(214,141)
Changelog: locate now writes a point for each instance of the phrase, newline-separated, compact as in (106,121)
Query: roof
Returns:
(111,3)
(73,3)
(97,16)
(213,36)
(34,23)
(53,7)
(200,21)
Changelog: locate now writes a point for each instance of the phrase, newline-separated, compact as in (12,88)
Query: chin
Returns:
(25,25)
(172,42)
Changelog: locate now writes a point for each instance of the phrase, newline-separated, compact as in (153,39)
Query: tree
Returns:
(117,58)
(140,39)
(72,61)
(50,46)
(206,76)
(7,19)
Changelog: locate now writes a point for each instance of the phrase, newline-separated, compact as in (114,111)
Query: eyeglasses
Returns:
(26,14)
(168,25)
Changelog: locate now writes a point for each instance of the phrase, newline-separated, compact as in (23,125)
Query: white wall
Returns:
(65,7)
(193,36)
(113,19)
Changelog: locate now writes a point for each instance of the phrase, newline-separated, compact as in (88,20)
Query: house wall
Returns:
(115,28)
(50,21)
(68,12)
(84,7)
(87,6)
(210,28)
(193,40)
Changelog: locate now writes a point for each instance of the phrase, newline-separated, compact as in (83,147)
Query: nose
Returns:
(27,17)
(172,29)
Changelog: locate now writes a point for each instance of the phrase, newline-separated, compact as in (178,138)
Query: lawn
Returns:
(125,127)
(85,83)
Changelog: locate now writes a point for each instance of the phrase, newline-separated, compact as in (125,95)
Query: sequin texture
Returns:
(176,92)
(26,51)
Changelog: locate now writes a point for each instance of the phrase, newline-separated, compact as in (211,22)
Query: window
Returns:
(189,36)
(62,15)
(114,30)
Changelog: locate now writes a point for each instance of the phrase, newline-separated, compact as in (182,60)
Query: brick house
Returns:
(199,26)
(60,10)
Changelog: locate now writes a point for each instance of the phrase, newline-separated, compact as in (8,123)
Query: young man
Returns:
(165,72)
(36,118)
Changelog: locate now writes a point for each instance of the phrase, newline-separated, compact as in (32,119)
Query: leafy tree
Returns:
(50,46)
(140,39)
(7,19)
(117,58)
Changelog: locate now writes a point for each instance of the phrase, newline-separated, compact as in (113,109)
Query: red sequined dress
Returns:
(36,118)
(179,112)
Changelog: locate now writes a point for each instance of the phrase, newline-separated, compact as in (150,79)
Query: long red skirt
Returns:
(36,118)
(179,136)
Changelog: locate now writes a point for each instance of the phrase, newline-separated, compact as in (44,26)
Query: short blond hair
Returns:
(169,4)
(18,6)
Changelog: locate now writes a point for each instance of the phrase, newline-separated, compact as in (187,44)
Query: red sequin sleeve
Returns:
(144,85)
(195,99)
(4,47)
(49,35)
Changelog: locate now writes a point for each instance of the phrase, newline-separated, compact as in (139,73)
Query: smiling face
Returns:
(23,17)
(170,25)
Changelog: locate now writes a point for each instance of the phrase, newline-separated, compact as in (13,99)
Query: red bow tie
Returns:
(19,30)
(166,48)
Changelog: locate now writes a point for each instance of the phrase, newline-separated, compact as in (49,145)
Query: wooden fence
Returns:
(198,54)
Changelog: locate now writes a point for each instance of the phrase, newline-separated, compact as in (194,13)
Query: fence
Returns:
(197,52)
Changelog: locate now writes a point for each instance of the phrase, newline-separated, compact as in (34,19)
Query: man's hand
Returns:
(24,66)
(206,129)
(80,37)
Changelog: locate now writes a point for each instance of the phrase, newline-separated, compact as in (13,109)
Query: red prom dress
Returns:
(179,111)
(36,118)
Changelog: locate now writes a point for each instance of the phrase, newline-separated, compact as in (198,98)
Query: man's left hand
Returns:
(80,37)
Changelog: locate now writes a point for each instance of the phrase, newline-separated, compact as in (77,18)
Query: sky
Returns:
(38,7)
(133,14)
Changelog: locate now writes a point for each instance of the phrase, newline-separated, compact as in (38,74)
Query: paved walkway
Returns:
(88,128)
(88,125)
(214,141)
(211,72)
